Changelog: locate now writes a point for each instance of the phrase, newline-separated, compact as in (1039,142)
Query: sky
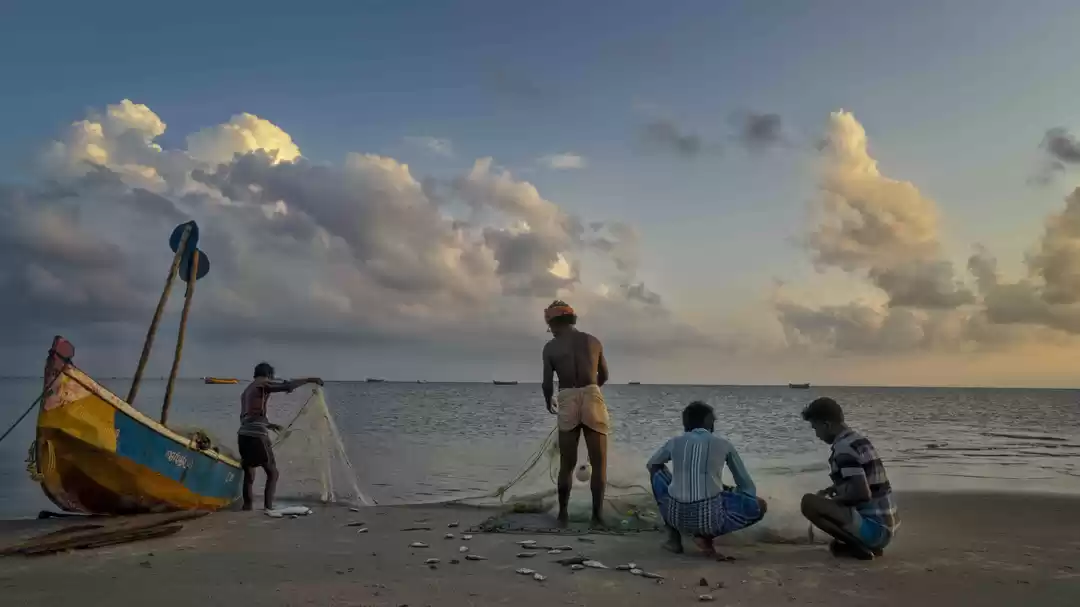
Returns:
(727,192)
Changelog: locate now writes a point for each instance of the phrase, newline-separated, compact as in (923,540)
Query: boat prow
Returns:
(96,454)
(220,380)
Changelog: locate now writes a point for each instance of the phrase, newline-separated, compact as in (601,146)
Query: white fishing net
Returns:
(312,459)
(529,501)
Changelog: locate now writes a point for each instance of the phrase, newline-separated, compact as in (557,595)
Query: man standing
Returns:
(578,359)
(253,438)
(858,509)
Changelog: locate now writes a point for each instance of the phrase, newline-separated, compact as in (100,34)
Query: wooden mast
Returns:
(149,342)
(192,277)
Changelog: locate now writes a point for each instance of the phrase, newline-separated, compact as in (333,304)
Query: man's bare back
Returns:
(577,358)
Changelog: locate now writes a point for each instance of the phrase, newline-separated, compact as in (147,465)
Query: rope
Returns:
(37,400)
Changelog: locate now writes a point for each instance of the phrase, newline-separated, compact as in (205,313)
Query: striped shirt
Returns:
(698,458)
(853,456)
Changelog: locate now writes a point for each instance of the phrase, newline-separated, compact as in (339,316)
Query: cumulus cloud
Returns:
(562,162)
(360,252)
(1061,145)
(435,145)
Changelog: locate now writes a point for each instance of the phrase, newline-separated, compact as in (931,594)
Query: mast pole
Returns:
(180,338)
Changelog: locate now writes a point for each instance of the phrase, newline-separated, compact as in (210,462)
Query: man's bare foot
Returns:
(562,521)
(843,550)
(673,546)
(705,545)
(247,508)
(598,524)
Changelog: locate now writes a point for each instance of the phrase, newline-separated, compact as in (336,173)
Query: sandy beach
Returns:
(982,549)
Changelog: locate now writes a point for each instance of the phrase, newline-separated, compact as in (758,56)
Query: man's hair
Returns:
(264,370)
(695,415)
(823,409)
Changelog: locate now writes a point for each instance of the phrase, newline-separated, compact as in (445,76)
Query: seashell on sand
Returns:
(538,577)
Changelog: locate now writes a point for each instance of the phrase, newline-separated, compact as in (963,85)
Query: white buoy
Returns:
(584,473)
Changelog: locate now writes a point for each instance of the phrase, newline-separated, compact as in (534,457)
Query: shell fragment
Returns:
(577,567)
(539,577)
(463,549)
(595,565)
(431,561)
(418,545)
(554,551)
(466,537)
(527,543)
(525,571)
(449,536)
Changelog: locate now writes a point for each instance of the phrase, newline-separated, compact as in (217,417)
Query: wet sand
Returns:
(977,549)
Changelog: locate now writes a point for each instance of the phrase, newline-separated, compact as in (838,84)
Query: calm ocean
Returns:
(423,442)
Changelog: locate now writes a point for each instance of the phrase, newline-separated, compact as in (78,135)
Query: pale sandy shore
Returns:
(953,549)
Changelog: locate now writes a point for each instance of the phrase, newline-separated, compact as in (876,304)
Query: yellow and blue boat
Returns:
(95,453)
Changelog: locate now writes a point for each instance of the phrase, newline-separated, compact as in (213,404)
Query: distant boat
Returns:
(635,383)
(504,383)
(374,380)
(220,380)
(421,381)
(799,386)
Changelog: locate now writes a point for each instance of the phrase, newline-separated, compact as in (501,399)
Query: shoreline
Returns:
(992,549)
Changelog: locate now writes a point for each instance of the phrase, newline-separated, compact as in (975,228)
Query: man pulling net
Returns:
(578,360)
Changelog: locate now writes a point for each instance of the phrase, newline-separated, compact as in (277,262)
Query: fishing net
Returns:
(528,503)
(312,458)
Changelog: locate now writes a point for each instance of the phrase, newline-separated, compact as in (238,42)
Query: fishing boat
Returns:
(635,383)
(374,380)
(220,380)
(504,383)
(799,386)
(95,453)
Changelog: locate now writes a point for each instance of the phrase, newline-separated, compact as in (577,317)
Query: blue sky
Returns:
(955,97)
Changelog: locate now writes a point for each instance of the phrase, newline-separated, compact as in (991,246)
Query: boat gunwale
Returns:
(116,402)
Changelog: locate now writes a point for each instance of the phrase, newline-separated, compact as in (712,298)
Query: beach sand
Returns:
(971,549)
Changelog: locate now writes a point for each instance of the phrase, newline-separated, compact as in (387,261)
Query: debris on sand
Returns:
(417,529)
(577,567)
(418,545)
(431,561)
(538,577)
(527,543)
(526,555)
(463,549)
(453,525)
(651,576)
(554,551)
(362,530)
(586,540)
(474,557)
(595,565)
(574,560)
(466,537)
(454,561)
(636,572)
(623,567)
(703,582)
(705,598)
(354,510)
(449,536)
(355,524)
(525,571)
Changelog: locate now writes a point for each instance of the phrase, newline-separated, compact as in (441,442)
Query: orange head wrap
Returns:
(557,309)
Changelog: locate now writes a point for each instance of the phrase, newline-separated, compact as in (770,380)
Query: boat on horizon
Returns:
(95,453)
(634,383)
(504,383)
(799,386)
(220,380)
(374,380)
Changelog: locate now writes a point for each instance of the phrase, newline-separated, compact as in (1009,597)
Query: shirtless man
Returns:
(578,359)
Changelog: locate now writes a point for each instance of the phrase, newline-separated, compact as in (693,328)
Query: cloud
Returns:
(314,255)
(435,145)
(757,131)
(1059,143)
(562,162)
(666,135)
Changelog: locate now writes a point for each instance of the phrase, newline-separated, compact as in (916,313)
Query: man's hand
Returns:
(827,492)
(275,428)
(552,407)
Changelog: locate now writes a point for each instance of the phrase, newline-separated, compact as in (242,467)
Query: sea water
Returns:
(430,442)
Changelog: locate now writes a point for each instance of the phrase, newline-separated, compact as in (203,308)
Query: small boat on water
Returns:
(374,380)
(634,383)
(504,383)
(220,380)
(799,386)
(95,453)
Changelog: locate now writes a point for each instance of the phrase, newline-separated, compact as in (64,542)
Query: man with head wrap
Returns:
(578,359)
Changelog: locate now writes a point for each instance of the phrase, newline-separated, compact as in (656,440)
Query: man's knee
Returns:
(763,506)
(808,506)
(271,472)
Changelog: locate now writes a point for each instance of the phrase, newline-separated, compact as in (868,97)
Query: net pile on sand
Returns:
(310,451)
(529,501)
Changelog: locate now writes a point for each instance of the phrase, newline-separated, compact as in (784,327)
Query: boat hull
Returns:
(98,455)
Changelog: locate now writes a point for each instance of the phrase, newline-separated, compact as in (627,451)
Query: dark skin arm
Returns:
(289,386)
(548,383)
(852,492)
(601,370)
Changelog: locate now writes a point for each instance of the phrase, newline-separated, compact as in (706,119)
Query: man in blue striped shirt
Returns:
(858,510)
(692,497)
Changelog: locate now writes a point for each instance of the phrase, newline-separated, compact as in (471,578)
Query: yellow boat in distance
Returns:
(220,380)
